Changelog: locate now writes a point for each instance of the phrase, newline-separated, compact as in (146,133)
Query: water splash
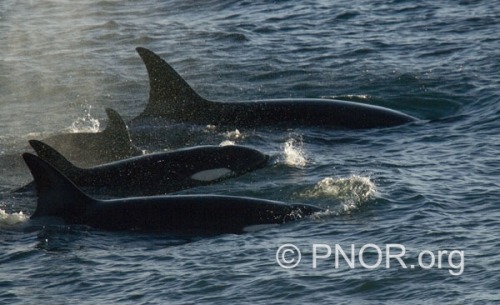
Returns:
(86,123)
(294,153)
(7,219)
(233,135)
(352,192)
(227,143)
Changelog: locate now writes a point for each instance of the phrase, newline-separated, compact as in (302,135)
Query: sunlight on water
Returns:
(352,192)
(86,123)
(7,219)
(294,153)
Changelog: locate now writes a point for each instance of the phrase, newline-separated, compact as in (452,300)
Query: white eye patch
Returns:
(212,174)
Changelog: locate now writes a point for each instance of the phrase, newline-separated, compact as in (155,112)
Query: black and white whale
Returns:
(172,98)
(183,214)
(158,173)
(87,148)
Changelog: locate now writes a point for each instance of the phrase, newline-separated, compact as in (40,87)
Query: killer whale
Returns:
(171,97)
(182,214)
(87,149)
(157,173)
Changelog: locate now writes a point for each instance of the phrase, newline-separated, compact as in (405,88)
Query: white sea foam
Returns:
(7,219)
(227,143)
(294,153)
(352,192)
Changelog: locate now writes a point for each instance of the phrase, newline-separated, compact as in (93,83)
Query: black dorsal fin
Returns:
(57,195)
(56,159)
(170,96)
(116,125)
(120,141)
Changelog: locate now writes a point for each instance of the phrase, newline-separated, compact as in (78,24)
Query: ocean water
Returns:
(430,188)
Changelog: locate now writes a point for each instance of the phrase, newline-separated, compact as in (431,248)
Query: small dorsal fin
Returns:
(119,137)
(57,195)
(170,95)
(116,125)
(55,158)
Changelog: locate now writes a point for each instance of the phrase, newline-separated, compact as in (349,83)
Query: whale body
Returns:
(186,214)
(158,173)
(172,98)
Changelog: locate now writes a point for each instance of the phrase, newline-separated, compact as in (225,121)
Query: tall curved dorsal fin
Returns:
(170,95)
(53,157)
(57,195)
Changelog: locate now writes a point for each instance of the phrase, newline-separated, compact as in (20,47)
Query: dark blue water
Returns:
(430,187)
